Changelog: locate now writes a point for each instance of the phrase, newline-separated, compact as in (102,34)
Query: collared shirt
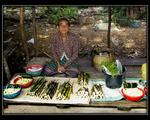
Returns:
(69,48)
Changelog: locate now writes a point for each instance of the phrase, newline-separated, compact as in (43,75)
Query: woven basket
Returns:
(97,60)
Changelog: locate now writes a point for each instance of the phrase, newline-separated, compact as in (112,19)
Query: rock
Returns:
(90,11)
(43,36)
(97,39)
(99,21)
(83,28)
(83,39)
(104,26)
(136,53)
(86,20)
(117,40)
(31,41)
(101,26)
(129,43)
(11,30)
(7,41)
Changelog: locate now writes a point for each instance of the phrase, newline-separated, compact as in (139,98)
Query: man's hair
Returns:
(63,19)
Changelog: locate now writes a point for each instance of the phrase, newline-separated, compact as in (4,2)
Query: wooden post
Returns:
(109,26)
(34,30)
(22,29)
(6,68)
(131,12)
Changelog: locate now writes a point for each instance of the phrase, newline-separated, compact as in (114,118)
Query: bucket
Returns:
(116,81)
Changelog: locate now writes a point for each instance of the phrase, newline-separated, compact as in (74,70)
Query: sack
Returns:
(144,71)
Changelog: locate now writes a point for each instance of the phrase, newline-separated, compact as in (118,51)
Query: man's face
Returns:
(63,27)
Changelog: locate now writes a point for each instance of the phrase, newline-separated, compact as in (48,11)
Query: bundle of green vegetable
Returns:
(130,85)
(50,90)
(97,92)
(65,90)
(37,88)
(112,68)
(82,92)
(83,78)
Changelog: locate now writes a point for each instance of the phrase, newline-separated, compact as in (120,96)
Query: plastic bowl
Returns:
(146,90)
(135,24)
(34,70)
(23,85)
(14,95)
(132,98)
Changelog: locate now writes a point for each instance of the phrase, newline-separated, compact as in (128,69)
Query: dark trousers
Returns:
(50,69)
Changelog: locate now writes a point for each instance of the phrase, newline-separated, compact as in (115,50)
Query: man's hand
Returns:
(61,69)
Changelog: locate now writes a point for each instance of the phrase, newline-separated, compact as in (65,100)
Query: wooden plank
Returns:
(46,109)
(123,103)
(133,61)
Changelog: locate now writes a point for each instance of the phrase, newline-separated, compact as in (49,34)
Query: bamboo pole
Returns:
(22,29)
(109,26)
(34,30)
(6,68)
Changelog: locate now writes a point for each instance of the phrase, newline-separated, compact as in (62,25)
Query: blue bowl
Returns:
(14,95)
(34,73)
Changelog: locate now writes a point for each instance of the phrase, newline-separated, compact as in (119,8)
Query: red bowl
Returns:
(34,66)
(23,85)
(146,90)
(133,98)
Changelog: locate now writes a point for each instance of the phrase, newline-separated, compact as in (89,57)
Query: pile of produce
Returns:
(83,78)
(134,92)
(130,85)
(11,90)
(50,90)
(82,92)
(65,90)
(23,81)
(97,92)
(37,88)
(112,68)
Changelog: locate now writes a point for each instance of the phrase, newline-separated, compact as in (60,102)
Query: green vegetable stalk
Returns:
(112,67)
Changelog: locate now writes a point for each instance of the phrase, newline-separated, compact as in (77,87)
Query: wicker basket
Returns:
(98,59)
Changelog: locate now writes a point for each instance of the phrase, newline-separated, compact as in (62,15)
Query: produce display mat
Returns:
(110,102)
(112,95)
(33,99)
(109,95)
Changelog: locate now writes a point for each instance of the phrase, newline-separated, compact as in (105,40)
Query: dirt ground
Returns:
(126,42)
(34,109)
